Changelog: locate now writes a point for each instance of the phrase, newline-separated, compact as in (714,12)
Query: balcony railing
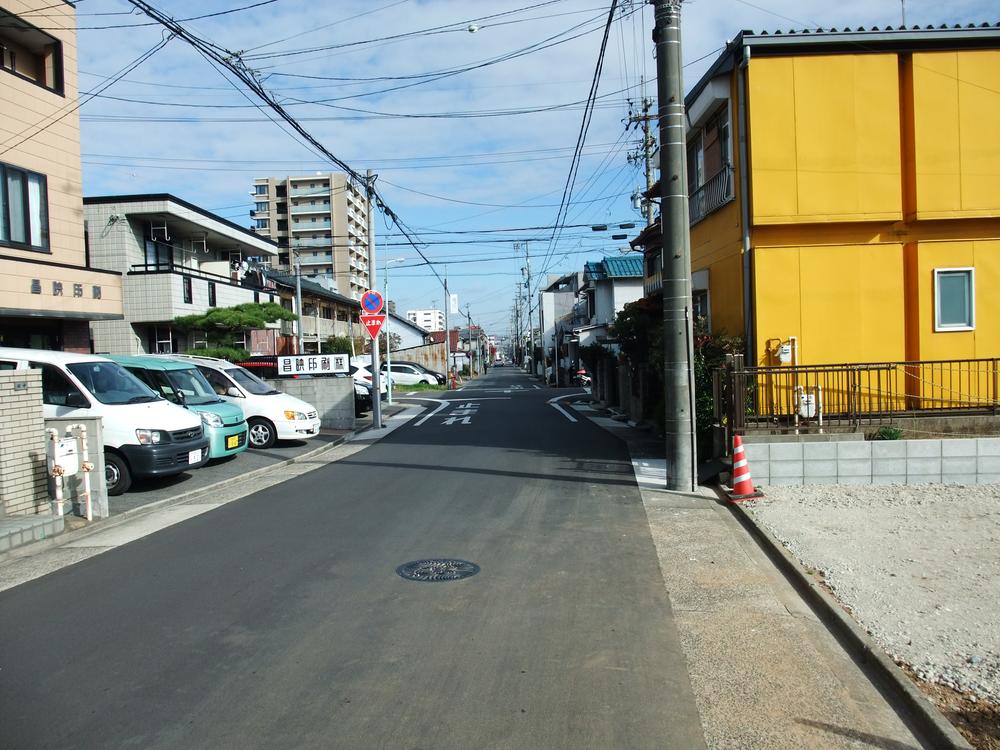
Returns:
(309,226)
(713,195)
(307,243)
(320,208)
(309,192)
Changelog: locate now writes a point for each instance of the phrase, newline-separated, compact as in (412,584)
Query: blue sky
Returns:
(485,149)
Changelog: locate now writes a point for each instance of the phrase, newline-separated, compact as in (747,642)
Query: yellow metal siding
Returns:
(844,303)
(956,108)
(826,138)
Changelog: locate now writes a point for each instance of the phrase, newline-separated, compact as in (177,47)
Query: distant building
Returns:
(49,292)
(429,320)
(323,218)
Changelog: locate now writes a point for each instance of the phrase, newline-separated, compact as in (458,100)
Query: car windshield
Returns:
(250,382)
(193,385)
(110,383)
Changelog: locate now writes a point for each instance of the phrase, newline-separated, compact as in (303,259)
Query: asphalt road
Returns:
(278,621)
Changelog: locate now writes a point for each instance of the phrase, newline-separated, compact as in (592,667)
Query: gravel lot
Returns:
(918,566)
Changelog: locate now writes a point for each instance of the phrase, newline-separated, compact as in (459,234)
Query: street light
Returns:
(388,339)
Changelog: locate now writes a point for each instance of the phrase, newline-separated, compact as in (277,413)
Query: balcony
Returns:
(309,226)
(308,192)
(312,260)
(324,242)
(156,293)
(319,208)
(713,195)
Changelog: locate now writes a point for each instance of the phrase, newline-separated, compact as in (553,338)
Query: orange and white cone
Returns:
(743,488)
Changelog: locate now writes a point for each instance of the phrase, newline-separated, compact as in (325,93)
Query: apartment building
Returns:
(429,320)
(176,259)
(845,195)
(49,292)
(322,219)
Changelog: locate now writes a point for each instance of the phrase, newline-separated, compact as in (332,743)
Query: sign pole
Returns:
(376,389)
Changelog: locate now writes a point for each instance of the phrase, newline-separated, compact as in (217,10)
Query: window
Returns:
(188,295)
(30,53)
(954,299)
(57,390)
(699,303)
(24,208)
(261,223)
(219,382)
(110,383)
(159,255)
(211,294)
(256,298)
(260,189)
(262,207)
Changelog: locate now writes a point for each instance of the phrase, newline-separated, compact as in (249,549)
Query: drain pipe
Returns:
(741,94)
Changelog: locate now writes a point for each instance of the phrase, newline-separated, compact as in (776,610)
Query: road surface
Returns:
(278,621)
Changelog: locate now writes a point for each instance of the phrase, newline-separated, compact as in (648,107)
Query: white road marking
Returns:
(459,420)
(441,405)
(552,402)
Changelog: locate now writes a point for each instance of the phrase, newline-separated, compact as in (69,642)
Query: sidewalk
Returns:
(150,494)
(765,671)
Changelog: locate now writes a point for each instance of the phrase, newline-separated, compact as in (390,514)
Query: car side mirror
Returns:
(234,392)
(76,400)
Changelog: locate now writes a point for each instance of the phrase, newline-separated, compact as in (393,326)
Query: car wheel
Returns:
(429,381)
(261,433)
(117,476)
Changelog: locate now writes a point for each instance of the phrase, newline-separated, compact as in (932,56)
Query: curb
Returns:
(922,713)
(41,545)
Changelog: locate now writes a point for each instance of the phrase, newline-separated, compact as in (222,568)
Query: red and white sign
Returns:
(373,323)
(371,302)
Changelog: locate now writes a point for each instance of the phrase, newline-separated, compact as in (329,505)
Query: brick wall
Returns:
(22,444)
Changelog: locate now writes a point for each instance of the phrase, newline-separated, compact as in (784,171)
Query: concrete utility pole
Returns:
(648,146)
(298,302)
(678,336)
(447,331)
(527,286)
(376,387)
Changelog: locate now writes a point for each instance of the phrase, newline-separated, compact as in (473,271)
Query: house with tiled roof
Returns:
(844,194)
(608,285)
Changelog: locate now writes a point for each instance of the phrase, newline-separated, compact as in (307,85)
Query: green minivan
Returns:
(183,384)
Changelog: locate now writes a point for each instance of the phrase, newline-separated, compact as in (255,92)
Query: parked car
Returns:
(364,376)
(144,434)
(183,384)
(271,415)
(362,398)
(404,373)
(440,377)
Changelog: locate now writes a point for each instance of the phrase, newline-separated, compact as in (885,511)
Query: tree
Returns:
(223,325)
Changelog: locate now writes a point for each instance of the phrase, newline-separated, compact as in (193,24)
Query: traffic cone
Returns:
(743,488)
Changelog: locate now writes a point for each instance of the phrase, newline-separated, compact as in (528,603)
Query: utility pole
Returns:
(298,302)
(447,331)
(372,268)
(468,318)
(678,336)
(646,154)
(527,286)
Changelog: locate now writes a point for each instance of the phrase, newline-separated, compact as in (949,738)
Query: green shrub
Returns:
(887,432)
(232,354)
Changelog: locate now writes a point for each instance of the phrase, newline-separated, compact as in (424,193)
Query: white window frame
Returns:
(942,328)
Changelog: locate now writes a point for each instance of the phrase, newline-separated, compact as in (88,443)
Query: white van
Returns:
(271,414)
(144,435)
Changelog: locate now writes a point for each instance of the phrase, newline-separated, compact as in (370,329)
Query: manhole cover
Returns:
(437,570)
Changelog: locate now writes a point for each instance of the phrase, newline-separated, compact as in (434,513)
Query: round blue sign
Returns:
(371,302)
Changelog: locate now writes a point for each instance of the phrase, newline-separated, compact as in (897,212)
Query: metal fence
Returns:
(852,394)
(715,193)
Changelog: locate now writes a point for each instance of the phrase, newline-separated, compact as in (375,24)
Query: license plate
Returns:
(232,441)
(194,456)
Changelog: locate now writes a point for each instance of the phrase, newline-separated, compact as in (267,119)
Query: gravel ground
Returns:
(918,566)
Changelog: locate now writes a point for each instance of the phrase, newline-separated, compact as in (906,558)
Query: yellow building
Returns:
(48,291)
(845,195)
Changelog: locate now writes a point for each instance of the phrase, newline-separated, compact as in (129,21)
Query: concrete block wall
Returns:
(333,398)
(949,461)
(22,444)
